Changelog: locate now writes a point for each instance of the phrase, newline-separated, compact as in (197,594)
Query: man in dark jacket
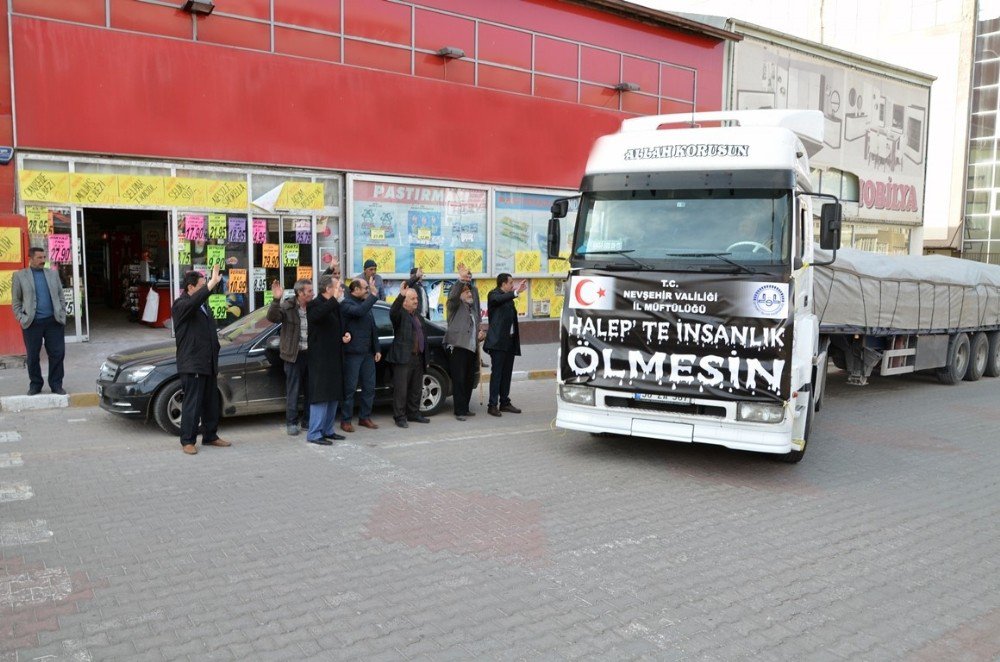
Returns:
(462,340)
(503,342)
(197,340)
(291,314)
(360,355)
(407,356)
(326,361)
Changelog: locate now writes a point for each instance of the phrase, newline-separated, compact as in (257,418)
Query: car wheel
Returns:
(437,386)
(167,407)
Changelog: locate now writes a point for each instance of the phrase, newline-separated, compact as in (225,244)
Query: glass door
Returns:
(59,230)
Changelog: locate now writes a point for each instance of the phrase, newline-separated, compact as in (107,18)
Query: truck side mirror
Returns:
(560,207)
(829,226)
(552,242)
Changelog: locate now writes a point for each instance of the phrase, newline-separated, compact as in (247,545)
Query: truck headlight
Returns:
(760,413)
(576,394)
(137,374)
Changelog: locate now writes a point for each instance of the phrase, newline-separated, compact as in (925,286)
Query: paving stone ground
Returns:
(506,539)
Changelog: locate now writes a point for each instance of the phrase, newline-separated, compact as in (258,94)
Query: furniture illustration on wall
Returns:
(832,131)
(913,133)
(855,120)
(754,100)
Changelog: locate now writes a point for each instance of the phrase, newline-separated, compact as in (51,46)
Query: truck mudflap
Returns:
(738,435)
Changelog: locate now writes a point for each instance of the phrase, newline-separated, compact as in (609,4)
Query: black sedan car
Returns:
(143,382)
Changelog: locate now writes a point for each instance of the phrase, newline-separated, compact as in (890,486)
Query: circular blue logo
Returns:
(769,299)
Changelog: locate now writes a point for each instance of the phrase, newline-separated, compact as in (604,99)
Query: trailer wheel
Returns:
(794,457)
(958,360)
(993,355)
(979,353)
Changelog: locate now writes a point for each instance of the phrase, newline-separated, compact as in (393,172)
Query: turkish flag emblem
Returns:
(592,292)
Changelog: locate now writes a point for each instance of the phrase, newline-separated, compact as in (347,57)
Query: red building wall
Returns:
(308,86)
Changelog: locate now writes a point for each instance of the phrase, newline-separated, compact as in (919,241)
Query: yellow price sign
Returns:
(39,220)
(431,260)
(384,256)
(141,190)
(238,281)
(300,195)
(521,304)
(185,191)
(43,186)
(183,251)
(471,258)
(378,234)
(6,285)
(10,245)
(217,226)
(424,234)
(271,256)
(555,308)
(527,262)
(543,288)
(217,302)
(304,273)
(85,188)
(227,195)
(290,255)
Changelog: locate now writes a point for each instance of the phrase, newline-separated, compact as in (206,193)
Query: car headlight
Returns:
(578,395)
(137,374)
(761,413)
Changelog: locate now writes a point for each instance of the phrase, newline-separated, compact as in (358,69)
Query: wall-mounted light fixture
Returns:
(450,52)
(202,7)
(627,87)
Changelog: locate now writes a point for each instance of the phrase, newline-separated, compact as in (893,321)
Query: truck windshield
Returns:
(746,226)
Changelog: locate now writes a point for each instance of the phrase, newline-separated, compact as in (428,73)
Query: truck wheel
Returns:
(958,360)
(794,457)
(167,407)
(979,353)
(993,355)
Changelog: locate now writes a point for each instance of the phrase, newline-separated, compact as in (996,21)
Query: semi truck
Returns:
(707,293)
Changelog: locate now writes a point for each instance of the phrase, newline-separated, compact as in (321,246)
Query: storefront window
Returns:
(205,239)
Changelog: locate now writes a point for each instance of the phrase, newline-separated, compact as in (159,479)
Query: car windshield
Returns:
(246,328)
(747,226)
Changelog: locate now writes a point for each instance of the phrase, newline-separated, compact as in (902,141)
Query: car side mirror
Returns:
(829,226)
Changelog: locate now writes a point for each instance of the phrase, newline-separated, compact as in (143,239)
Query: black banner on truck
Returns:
(690,335)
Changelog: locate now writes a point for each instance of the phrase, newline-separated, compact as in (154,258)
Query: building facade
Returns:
(272,136)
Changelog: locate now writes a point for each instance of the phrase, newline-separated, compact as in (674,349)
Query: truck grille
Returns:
(699,410)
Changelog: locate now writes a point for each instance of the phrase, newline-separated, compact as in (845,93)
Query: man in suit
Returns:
(360,354)
(462,340)
(503,342)
(408,358)
(197,339)
(36,298)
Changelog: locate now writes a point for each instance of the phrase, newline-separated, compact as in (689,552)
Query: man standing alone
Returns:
(360,355)
(36,298)
(294,347)
(407,358)
(197,340)
(503,342)
(462,340)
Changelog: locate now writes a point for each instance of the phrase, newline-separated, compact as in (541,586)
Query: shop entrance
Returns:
(127,262)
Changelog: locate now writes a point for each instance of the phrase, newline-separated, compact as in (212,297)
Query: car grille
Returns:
(108,372)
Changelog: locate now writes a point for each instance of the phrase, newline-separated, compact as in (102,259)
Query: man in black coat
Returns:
(408,358)
(197,340)
(503,342)
(361,353)
(326,360)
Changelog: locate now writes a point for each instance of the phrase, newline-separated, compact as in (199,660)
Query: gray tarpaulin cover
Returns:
(871,293)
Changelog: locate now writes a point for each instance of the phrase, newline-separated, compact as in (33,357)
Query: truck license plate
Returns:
(656,397)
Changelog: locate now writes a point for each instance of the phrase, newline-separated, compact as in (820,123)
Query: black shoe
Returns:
(493,411)
(401,423)
(418,419)
(34,391)
(304,425)
(459,417)
(59,391)
(469,413)
(510,408)
(334,437)
(321,442)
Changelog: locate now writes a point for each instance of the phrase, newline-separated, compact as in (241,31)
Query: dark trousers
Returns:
(358,368)
(462,366)
(53,334)
(296,382)
(500,371)
(200,405)
(407,387)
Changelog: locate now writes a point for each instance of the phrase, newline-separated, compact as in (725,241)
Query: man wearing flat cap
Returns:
(374,280)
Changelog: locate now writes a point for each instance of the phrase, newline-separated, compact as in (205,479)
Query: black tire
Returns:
(958,360)
(979,354)
(993,358)
(437,388)
(167,408)
(820,382)
(794,457)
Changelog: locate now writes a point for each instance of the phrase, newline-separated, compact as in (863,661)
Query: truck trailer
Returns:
(703,306)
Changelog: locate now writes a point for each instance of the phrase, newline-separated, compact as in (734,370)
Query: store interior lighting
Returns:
(627,87)
(201,7)
(451,52)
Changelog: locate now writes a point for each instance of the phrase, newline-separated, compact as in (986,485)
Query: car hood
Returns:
(154,354)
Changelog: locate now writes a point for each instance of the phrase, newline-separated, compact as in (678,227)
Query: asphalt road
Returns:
(507,539)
